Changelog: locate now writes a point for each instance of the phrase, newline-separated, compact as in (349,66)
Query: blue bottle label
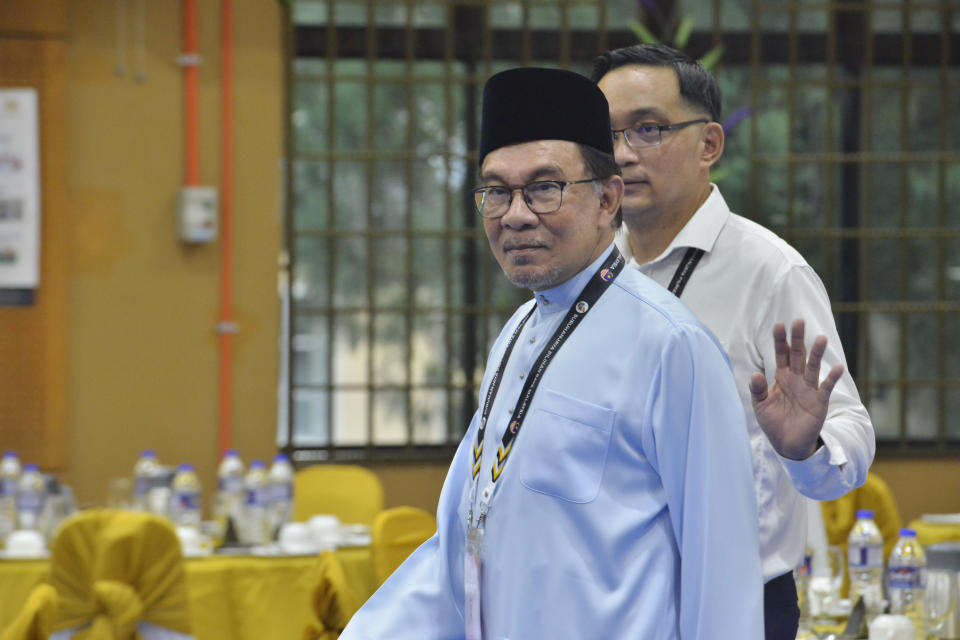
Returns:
(905,578)
(188,500)
(8,487)
(230,484)
(865,557)
(282,492)
(257,497)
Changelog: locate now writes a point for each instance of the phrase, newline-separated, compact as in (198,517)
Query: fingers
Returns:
(829,382)
(812,374)
(758,388)
(798,351)
(780,345)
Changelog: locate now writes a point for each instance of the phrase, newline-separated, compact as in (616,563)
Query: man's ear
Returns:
(712,144)
(611,196)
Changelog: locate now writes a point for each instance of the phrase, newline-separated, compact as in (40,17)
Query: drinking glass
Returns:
(940,597)
(826,576)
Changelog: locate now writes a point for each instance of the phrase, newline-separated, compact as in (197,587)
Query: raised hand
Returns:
(791,412)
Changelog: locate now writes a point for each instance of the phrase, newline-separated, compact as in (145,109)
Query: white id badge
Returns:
(472,576)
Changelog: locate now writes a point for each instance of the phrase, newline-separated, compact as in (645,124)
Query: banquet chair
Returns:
(35,621)
(352,493)
(119,575)
(396,533)
(840,515)
(332,599)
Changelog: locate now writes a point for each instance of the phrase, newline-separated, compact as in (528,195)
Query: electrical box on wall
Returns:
(198,215)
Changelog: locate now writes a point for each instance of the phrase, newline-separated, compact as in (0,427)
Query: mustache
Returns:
(510,245)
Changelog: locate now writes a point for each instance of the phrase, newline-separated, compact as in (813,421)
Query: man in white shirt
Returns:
(809,432)
(604,486)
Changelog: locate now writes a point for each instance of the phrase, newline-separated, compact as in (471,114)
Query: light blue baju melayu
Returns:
(626,509)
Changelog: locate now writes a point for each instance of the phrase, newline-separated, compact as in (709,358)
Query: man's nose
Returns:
(518,213)
(623,153)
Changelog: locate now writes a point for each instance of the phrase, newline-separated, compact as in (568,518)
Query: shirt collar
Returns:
(560,298)
(701,230)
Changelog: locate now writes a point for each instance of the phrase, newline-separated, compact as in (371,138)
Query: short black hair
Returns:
(697,85)
(601,166)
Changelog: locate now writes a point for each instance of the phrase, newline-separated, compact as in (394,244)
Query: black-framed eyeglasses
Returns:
(647,134)
(542,196)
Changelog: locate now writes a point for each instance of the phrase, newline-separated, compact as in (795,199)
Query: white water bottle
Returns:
(280,480)
(31,494)
(865,562)
(144,477)
(257,526)
(9,485)
(230,492)
(906,580)
(186,508)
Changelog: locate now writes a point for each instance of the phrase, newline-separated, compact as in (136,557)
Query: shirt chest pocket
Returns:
(564,446)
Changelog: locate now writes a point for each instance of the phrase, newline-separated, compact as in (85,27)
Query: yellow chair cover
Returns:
(333,601)
(352,493)
(839,516)
(36,619)
(396,533)
(113,569)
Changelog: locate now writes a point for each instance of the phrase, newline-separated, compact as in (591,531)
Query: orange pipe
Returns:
(227,327)
(191,93)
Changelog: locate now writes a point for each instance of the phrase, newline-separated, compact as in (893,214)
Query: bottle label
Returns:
(30,501)
(865,557)
(257,497)
(187,500)
(141,486)
(231,484)
(282,492)
(8,486)
(905,578)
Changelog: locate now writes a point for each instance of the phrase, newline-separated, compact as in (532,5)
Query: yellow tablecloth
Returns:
(235,597)
(932,533)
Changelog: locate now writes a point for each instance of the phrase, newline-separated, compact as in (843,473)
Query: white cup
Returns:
(325,531)
(25,543)
(193,543)
(296,537)
(888,627)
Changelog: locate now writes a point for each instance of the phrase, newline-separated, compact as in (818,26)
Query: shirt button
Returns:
(510,410)
(521,376)
(532,339)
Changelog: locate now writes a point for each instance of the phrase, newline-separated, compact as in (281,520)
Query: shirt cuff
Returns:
(806,474)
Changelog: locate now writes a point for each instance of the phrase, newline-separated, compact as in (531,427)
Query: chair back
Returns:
(352,493)
(397,532)
(332,599)
(37,617)
(114,569)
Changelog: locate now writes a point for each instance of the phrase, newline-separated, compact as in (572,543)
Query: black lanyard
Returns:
(588,297)
(685,270)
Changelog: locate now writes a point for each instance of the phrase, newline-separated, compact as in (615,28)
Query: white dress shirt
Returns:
(626,507)
(748,280)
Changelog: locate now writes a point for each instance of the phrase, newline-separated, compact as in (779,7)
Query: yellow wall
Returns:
(143,350)
(142,308)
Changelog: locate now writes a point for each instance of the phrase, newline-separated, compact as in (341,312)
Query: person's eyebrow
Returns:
(638,115)
(544,172)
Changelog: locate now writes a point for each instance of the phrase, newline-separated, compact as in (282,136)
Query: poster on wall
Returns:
(19,196)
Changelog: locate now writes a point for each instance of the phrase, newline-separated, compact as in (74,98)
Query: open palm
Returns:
(791,411)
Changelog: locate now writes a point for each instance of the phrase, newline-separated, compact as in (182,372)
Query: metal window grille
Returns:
(843,123)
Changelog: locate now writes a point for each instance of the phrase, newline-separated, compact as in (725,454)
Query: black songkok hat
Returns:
(527,104)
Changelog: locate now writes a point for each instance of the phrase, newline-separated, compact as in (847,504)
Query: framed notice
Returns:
(19,196)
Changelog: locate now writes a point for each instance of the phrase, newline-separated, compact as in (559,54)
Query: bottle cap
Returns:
(281,457)
(30,467)
(908,533)
(186,466)
(10,453)
(148,453)
(257,464)
(231,453)
(865,513)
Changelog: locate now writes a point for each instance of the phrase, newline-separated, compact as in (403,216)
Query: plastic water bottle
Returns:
(228,508)
(144,477)
(257,525)
(31,494)
(280,480)
(9,483)
(186,507)
(906,579)
(865,562)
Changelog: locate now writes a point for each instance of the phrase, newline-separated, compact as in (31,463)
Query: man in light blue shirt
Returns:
(604,488)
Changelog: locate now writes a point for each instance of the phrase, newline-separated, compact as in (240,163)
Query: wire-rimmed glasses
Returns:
(647,134)
(542,196)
